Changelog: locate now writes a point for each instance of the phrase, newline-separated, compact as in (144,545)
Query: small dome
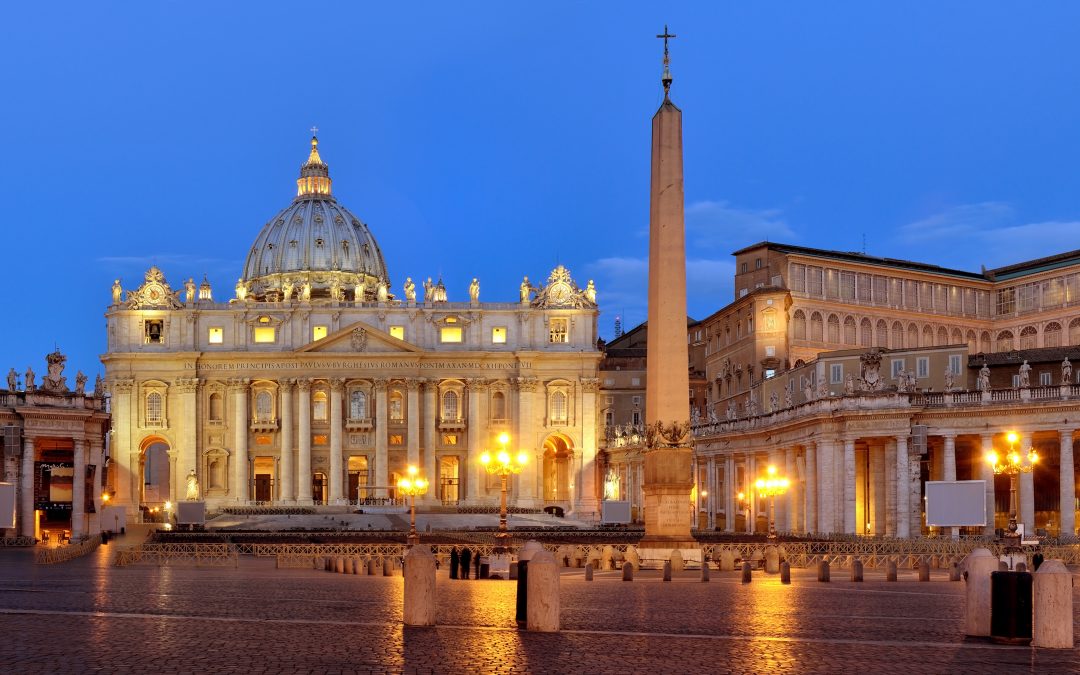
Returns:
(314,248)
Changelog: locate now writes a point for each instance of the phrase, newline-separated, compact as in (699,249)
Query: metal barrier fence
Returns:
(48,556)
(21,542)
(201,555)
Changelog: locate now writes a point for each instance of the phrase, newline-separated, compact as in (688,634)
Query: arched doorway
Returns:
(155,474)
(558,468)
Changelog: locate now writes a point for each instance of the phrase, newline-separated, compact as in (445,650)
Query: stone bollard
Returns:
(856,571)
(339,565)
(890,570)
(1003,566)
(667,570)
(371,566)
(980,563)
(607,558)
(513,573)
(677,564)
(727,560)
(627,571)
(588,571)
(1021,567)
(1052,606)
(542,613)
(356,565)
(531,548)
(954,571)
(633,558)
(419,576)
(387,567)
(772,560)
(746,573)
(785,572)
(924,570)
(704,570)
(823,571)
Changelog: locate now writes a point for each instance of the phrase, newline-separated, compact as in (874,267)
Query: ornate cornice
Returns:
(337,384)
(122,386)
(186,385)
(590,384)
(525,384)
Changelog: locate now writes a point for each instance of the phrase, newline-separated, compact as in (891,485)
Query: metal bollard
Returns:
(542,613)
(890,570)
(419,573)
(1052,588)
(823,571)
(746,573)
(857,571)
(588,571)
(627,571)
(785,572)
(924,570)
(704,570)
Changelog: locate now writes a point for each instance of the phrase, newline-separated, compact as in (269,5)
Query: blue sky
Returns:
(497,140)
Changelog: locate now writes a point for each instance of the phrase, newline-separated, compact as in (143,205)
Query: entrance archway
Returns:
(448,480)
(558,468)
(155,473)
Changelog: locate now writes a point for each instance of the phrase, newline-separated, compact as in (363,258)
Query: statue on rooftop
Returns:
(474,291)
(590,292)
(525,291)
(984,378)
(99,386)
(192,487)
(1066,371)
(410,290)
(12,380)
(117,292)
(30,379)
(1025,375)
(80,383)
(901,381)
(189,290)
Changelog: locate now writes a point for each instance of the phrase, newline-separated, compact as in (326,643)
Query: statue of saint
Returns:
(949,380)
(849,384)
(525,291)
(30,379)
(287,290)
(474,291)
(789,393)
(901,381)
(117,292)
(381,292)
(80,383)
(360,291)
(189,290)
(1066,371)
(12,380)
(99,386)
(192,487)
(1025,375)
(427,290)
(410,290)
(808,391)
(305,292)
(822,388)
(774,401)
(241,290)
(984,378)
(590,292)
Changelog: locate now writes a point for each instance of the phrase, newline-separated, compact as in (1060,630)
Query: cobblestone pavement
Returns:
(85,616)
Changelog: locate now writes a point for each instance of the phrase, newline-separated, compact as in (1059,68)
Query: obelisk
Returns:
(668,480)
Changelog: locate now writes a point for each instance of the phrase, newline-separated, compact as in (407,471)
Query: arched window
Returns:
(881,334)
(1029,337)
(1005,341)
(397,406)
(849,331)
(927,336)
(866,333)
(154,409)
(897,335)
(912,336)
(498,406)
(1052,334)
(957,337)
(972,342)
(558,407)
(815,327)
(358,405)
(318,406)
(798,321)
(1074,332)
(984,342)
(834,328)
(217,409)
(942,336)
(450,409)
(263,402)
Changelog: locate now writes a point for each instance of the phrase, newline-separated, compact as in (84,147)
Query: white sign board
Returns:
(190,513)
(7,505)
(615,512)
(113,518)
(956,503)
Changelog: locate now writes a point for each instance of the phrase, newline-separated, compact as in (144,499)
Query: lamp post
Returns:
(770,487)
(1012,465)
(503,465)
(412,486)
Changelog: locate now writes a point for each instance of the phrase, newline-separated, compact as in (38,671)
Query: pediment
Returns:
(360,338)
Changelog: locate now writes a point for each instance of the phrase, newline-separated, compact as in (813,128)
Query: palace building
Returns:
(317,385)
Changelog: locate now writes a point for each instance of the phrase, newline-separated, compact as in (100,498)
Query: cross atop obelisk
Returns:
(666,79)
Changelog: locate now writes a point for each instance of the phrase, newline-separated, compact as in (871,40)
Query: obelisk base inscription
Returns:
(668,509)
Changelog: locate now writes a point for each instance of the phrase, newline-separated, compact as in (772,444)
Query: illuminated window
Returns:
(216,336)
(450,334)
(318,406)
(397,439)
(264,334)
(318,333)
(319,439)
(498,335)
(559,331)
(154,409)
(450,439)
(397,332)
(558,407)
(358,405)
(450,406)
(397,406)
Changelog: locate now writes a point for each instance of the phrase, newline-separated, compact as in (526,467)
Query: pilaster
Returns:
(303,463)
(337,469)
(382,469)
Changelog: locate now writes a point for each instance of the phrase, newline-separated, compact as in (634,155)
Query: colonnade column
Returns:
(94,519)
(473,471)
(186,453)
(986,473)
(1027,487)
(826,457)
(26,489)
(849,486)
(337,385)
(791,500)
(120,446)
(710,502)
(241,470)
(1067,482)
(431,422)
(810,489)
(890,487)
(382,470)
(751,493)
(286,482)
(303,459)
(78,491)
(948,471)
(903,489)
(529,496)
(730,488)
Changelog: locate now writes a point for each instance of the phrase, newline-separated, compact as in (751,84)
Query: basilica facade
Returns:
(318,385)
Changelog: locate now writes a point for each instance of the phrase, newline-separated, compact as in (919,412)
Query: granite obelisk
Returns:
(668,480)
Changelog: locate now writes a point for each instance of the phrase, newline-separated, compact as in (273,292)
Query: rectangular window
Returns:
(881,290)
(264,334)
(1006,301)
(922,366)
(926,296)
(609,418)
(216,335)
(1053,291)
(450,439)
(450,334)
(319,439)
(636,418)
(1028,297)
(969,301)
(635,381)
(1044,379)
(498,335)
(836,373)
(911,294)
(559,331)
(397,332)
(1016,381)
(769,372)
(897,366)
(318,333)
(609,382)
(832,284)
(941,298)
(814,281)
(397,439)
(863,287)
(636,400)
(770,350)
(954,364)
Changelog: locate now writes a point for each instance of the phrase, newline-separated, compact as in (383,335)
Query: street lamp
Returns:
(412,486)
(1012,465)
(770,487)
(503,465)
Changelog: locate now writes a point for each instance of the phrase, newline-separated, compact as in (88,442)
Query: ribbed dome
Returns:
(314,248)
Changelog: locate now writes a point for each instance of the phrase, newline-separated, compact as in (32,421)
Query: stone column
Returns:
(751,493)
(826,503)
(903,489)
(875,455)
(791,499)
(135,483)
(78,490)
(850,526)
(530,491)
(730,488)
(890,487)
(187,450)
(473,471)
(1067,482)
(710,499)
(337,385)
(382,468)
(303,460)
(588,504)
(241,470)
(120,447)
(28,524)
(431,422)
(1026,488)
(413,420)
(287,482)
(986,473)
(810,490)
(94,519)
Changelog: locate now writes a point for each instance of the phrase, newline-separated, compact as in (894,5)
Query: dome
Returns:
(314,248)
